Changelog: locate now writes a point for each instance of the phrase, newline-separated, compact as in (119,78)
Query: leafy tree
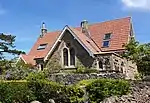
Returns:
(7,45)
(140,54)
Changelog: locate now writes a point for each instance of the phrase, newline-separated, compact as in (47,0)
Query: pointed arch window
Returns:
(65,56)
(100,65)
(69,57)
(72,56)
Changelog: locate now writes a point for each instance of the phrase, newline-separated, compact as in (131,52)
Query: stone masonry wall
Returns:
(140,93)
(73,78)
(80,53)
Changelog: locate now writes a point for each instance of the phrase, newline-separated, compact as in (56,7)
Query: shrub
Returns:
(90,70)
(41,90)
(4,65)
(138,76)
(12,92)
(85,82)
(102,88)
(74,93)
(45,90)
(80,70)
(16,73)
(84,70)
(35,76)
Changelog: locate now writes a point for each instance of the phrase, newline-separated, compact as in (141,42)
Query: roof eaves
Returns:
(54,45)
(21,57)
(85,47)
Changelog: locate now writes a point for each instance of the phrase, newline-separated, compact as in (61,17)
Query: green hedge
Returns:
(45,90)
(38,88)
(100,89)
(11,92)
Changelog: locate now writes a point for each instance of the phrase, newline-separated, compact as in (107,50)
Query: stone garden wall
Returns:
(140,93)
(73,78)
(140,90)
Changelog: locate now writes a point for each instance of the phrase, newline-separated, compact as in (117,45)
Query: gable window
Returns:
(65,55)
(42,46)
(68,57)
(72,56)
(106,40)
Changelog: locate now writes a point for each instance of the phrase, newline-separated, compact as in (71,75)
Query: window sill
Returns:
(107,39)
(104,46)
(69,67)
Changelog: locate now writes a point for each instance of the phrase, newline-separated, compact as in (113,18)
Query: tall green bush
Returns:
(100,89)
(41,90)
(45,90)
(12,92)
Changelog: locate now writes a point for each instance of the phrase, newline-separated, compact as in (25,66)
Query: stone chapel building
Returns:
(98,46)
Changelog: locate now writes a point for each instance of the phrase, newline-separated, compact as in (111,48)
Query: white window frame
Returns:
(62,55)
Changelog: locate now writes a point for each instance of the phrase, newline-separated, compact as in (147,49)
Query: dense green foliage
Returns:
(45,90)
(5,65)
(100,89)
(140,54)
(86,70)
(85,82)
(7,47)
(37,87)
(17,71)
(16,74)
(12,92)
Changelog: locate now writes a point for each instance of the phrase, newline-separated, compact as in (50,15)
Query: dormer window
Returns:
(107,36)
(42,46)
(106,40)
(105,43)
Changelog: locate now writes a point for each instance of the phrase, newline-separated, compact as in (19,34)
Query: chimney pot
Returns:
(43,30)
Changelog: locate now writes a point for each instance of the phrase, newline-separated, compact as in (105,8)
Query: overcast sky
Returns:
(23,18)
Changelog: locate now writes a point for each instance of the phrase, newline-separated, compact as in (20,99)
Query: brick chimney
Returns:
(43,30)
(84,28)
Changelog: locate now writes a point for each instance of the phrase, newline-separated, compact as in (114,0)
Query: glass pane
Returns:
(42,46)
(100,65)
(72,56)
(105,43)
(65,55)
(107,36)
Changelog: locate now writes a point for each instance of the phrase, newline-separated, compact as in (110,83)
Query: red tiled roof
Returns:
(119,28)
(86,41)
(48,39)
(28,59)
